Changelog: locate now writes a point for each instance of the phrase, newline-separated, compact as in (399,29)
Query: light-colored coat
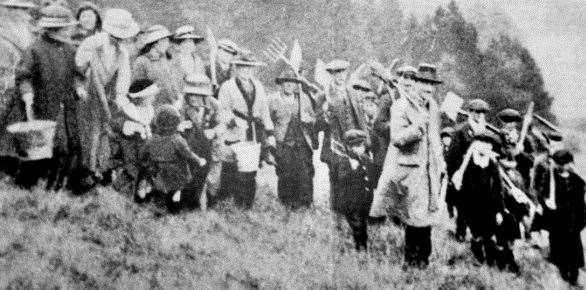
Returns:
(413,165)
(231,99)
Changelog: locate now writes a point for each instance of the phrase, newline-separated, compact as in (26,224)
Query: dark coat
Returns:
(461,140)
(169,158)
(356,186)
(567,221)
(382,128)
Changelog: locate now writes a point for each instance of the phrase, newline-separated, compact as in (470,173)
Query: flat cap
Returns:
(509,116)
(198,84)
(354,137)
(447,132)
(478,105)
(488,137)
(563,157)
(142,88)
(554,136)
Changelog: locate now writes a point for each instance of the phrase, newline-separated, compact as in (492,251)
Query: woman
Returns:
(154,64)
(16,35)
(104,60)
(186,57)
(90,22)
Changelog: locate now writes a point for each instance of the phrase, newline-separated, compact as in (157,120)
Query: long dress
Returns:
(107,75)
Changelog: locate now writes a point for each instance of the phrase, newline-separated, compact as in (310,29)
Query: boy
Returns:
(564,210)
(356,174)
(132,123)
(169,157)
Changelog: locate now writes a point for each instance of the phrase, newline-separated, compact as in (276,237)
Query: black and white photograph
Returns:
(307,144)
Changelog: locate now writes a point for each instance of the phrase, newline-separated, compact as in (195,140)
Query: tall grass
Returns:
(54,240)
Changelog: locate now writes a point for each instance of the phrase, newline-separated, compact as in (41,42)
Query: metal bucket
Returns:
(35,138)
(247,155)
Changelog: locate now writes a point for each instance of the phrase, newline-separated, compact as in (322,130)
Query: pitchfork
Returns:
(276,51)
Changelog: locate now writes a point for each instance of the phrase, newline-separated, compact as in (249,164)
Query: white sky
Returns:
(554,31)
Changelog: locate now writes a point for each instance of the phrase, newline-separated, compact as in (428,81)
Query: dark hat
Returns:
(488,137)
(447,132)
(354,137)
(55,16)
(287,77)
(337,65)
(167,119)
(143,88)
(509,116)
(554,136)
(478,105)
(427,73)
(563,157)
(407,71)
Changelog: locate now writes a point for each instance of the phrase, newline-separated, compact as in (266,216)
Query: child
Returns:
(169,157)
(132,123)
(356,174)
(483,204)
(203,130)
(564,211)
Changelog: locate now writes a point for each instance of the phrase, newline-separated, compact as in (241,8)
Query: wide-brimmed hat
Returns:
(287,77)
(509,116)
(155,33)
(198,84)
(247,61)
(18,4)
(54,16)
(478,105)
(228,46)
(337,65)
(119,23)
(187,32)
(143,88)
(427,73)
(354,137)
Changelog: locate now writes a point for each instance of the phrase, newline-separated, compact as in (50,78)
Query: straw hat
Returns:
(56,17)
(18,4)
(228,45)
(478,105)
(155,33)
(187,32)
(337,65)
(198,84)
(119,23)
(287,77)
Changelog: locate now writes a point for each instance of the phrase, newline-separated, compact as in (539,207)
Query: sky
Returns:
(554,31)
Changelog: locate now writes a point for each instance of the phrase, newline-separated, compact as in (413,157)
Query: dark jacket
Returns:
(169,158)
(382,127)
(356,186)
(461,140)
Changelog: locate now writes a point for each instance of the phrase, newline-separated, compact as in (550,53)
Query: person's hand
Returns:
(202,162)
(499,219)
(271,141)
(209,134)
(184,125)
(28,98)
(354,163)
(81,93)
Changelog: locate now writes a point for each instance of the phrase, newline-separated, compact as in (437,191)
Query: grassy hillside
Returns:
(102,240)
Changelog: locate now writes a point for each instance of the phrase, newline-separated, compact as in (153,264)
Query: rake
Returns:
(276,50)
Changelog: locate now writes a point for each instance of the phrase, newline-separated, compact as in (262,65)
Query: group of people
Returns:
(138,109)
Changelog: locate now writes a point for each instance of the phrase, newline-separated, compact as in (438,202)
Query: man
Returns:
(564,210)
(227,52)
(49,83)
(510,122)
(416,164)
(461,140)
(16,35)
(294,120)
(244,102)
